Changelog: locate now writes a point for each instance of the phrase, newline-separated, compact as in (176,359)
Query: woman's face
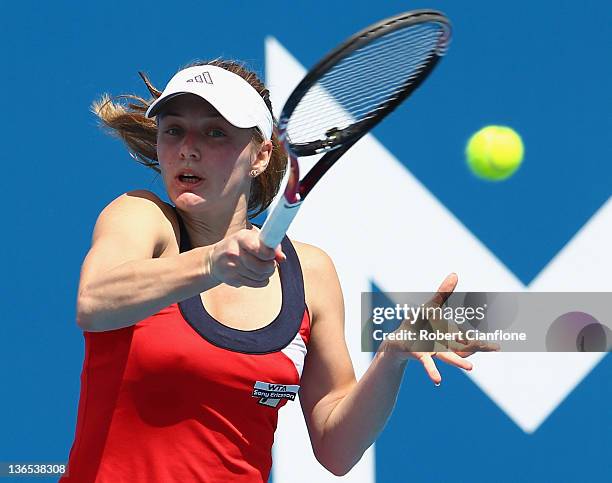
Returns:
(193,136)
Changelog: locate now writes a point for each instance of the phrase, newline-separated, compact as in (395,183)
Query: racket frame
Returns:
(358,40)
(283,212)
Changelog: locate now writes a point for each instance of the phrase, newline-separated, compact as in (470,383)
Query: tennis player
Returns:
(196,334)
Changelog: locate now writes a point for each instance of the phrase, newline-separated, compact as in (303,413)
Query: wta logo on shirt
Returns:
(270,394)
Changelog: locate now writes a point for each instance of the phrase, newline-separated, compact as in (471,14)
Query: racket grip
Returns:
(278,221)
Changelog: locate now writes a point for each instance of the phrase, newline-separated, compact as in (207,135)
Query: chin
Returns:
(188,199)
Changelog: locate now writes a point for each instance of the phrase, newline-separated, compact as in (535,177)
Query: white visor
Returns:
(235,99)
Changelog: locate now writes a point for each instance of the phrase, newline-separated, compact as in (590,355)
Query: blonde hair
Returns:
(139,133)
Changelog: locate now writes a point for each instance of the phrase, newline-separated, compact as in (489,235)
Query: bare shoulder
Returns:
(321,286)
(314,261)
(138,211)
(132,227)
(140,201)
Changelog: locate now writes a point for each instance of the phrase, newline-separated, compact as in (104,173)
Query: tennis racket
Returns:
(348,93)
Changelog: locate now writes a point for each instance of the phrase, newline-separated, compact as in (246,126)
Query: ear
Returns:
(262,157)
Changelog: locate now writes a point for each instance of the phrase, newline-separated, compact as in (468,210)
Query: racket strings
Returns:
(364,82)
(354,88)
(423,39)
(346,113)
(370,70)
(352,95)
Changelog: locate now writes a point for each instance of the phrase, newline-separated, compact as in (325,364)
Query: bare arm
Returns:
(351,424)
(344,417)
(137,289)
(123,280)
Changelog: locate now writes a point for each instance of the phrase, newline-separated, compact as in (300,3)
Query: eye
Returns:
(215,133)
(173,131)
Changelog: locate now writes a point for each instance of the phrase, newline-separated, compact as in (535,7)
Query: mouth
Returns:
(189,180)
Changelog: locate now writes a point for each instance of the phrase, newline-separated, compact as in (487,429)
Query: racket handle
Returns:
(278,221)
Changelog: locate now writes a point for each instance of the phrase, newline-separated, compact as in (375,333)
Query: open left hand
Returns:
(455,351)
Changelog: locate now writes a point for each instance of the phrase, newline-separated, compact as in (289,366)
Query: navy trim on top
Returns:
(270,338)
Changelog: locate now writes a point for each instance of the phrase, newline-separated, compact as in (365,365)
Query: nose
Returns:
(189,147)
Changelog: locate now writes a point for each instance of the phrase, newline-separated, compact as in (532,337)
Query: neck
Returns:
(206,228)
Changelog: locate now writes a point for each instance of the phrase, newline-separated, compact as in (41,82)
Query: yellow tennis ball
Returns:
(495,152)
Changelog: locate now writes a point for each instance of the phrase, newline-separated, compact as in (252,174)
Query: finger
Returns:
(243,271)
(248,275)
(245,281)
(279,255)
(458,346)
(257,268)
(475,346)
(454,360)
(431,369)
(462,349)
(251,243)
(486,347)
(445,289)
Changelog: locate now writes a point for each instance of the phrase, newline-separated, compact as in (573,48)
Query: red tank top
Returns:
(180,397)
